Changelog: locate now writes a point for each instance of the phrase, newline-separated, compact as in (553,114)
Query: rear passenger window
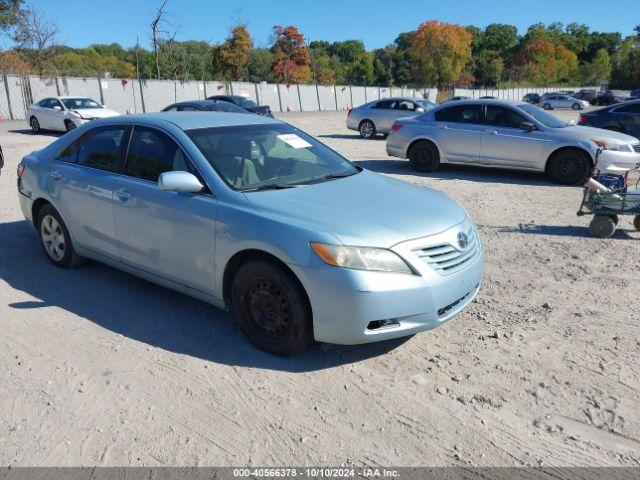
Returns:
(633,108)
(385,104)
(460,114)
(69,154)
(100,148)
(151,153)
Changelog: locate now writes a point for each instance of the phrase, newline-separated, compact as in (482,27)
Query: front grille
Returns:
(636,147)
(446,259)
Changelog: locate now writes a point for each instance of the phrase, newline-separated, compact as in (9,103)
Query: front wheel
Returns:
(602,226)
(367,129)
(35,124)
(424,157)
(570,167)
(575,106)
(69,125)
(271,308)
(55,238)
(636,222)
(546,106)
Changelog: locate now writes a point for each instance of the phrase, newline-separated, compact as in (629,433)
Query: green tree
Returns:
(259,66)
(599,69)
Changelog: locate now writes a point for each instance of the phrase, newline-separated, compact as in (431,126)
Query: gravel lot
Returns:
(100,368)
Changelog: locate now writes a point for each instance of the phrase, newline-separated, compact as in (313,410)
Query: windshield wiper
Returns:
(333,176)
(270,186)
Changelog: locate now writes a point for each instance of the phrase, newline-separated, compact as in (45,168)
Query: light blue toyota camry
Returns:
(253,215)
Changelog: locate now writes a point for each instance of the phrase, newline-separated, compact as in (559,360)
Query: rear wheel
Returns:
(602,226)
(35,124)
(546,106)
(569,167)
(271,308)
(424,157)
(576,106)
(55,239)
(367,129)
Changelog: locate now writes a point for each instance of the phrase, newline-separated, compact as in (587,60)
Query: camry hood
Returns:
(581,132)
(95,112)
(366,209)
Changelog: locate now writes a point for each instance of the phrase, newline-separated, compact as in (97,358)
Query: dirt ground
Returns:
(100,368)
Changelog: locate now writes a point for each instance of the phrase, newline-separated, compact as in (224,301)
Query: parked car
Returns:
(531,98)
(243,102)
(562,101)
(613,96)
(259,217)
(620,117)
(204,106)
(497,133)
(65,113)
(376,117)
(457,98)
(587,95)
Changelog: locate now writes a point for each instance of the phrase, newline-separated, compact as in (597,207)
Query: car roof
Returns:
(194,120)
(200,102)
(488,101)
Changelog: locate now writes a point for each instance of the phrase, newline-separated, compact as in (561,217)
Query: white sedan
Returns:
(65,113)
(562,101)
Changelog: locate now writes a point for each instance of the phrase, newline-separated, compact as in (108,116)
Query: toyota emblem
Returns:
(463,240)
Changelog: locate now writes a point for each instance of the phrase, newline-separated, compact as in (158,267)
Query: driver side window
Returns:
(152,152)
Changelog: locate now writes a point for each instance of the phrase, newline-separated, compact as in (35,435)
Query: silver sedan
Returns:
(497,133)
(562,101)
(377,117)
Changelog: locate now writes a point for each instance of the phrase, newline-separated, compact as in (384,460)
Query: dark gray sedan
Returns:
(619,117)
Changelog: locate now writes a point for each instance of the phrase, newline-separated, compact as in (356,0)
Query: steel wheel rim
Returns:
(268,309)
(366,129)
(53,237)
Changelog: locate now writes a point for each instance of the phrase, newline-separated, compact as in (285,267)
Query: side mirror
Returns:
(420,109)
(527,126)
(57,108)
(179,182)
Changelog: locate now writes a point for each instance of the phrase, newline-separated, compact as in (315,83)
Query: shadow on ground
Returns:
(461,172)
(563,231)
(353,136)
(28,131)
(148,313)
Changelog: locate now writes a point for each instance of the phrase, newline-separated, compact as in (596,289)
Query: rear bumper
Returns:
(396,145)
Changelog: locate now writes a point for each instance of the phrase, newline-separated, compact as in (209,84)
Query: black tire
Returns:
(68,257)
(546,106)
(424,157)
(602,226)
(576,106)
(272,309)
(636,222)
(570,167)
(367,129)
(35,124)
(69,125)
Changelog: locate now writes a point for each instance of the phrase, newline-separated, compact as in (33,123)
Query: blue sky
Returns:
(85,22)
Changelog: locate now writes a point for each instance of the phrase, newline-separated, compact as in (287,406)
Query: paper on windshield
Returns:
(294,140)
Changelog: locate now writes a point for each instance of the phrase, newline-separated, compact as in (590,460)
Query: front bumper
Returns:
(345,302)
(617,162)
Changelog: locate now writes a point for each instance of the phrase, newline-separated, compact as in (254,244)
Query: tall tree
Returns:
(36,36)
(230,59)
(599,69)
(291,59)
(439,51)
(162,31)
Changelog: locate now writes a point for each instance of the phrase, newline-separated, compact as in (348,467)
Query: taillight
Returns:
(581,119)
(21,167)
(395,127)
(349,111)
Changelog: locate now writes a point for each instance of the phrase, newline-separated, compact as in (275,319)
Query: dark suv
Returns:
(242,102)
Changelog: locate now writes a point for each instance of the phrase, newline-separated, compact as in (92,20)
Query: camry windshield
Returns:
(543,117)
(263,157)
(76,103)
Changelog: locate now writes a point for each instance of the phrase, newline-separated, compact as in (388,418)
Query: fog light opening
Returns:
(379,324)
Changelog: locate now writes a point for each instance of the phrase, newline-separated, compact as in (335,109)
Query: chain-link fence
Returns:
(132,96)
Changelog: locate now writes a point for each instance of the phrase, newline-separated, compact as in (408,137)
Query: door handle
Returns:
(55,176)
(123,195)
(491,132)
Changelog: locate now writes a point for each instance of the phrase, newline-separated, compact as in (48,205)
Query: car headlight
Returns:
(361,258)
(612,145)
